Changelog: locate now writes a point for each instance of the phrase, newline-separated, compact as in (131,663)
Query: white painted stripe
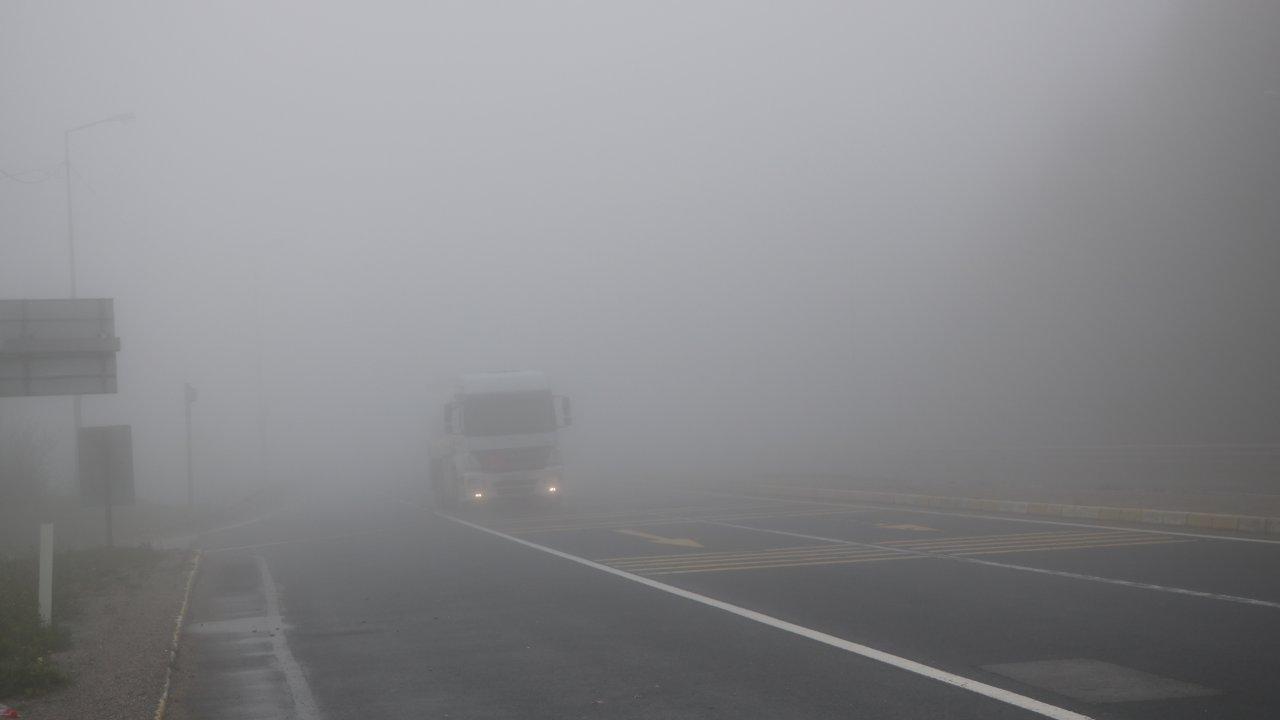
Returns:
(1004,518)
(1022,568)
(304,704)
(958,681)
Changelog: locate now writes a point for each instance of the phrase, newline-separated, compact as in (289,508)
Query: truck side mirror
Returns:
(566,412)
(450,410)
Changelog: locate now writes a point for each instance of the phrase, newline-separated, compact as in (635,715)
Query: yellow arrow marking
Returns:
(921,528)
(682,542)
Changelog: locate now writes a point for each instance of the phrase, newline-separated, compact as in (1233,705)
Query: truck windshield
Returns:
(509,413)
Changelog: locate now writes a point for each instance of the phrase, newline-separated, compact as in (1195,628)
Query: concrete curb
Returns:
(179,622)
(1206,521)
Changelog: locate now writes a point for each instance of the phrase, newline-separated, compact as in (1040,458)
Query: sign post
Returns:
(61,346)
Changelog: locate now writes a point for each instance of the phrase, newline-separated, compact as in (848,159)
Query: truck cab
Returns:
(501,440)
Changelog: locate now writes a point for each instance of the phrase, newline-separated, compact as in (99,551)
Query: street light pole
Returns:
(77,422)
(263,472)
(191,483)
(71,220)
(71,272)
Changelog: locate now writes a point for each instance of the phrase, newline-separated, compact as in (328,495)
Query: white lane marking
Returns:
(959,681)
(1022,568)
(1005,518)
(304,704)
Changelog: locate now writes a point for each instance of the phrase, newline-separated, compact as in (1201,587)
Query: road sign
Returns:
(57,347)
(106,465)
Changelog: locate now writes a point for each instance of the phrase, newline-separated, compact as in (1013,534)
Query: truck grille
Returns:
(517,485)
(513,459)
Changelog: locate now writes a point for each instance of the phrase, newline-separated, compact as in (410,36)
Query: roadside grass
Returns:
(26,668)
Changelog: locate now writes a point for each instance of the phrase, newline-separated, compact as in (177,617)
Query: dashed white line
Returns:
(958,681)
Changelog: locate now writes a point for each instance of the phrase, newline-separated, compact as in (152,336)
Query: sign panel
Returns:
(57,347)
(106,464)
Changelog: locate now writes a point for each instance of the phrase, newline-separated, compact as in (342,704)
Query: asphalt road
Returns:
(673,604)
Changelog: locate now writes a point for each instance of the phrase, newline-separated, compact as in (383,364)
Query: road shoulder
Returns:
(120,640)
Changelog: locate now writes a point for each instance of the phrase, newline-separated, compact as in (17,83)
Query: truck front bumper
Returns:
(479,487)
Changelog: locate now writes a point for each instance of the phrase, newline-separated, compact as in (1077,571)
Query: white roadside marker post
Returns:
(46,573)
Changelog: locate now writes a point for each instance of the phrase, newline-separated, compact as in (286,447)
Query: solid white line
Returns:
(304,704)
(959,681)
(1022,568)
(1007,518)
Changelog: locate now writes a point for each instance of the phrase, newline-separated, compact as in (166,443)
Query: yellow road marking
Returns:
(894,543)
(846,554)
(767,563)
(723,553)
(681,542)
(787,513)
(790,565)
(640,519)
(982,537)
(813,555)
(660,512)
(853,560)
(1069,547)
(753,559)
(841,553)
(958,543)
(594,526)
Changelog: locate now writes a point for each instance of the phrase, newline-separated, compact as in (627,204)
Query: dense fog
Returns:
(894,239)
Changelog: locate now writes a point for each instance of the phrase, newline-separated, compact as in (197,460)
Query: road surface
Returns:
(663,603)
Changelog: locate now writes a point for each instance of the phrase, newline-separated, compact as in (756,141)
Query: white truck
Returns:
(500,440)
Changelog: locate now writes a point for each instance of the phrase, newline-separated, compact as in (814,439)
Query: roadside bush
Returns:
(26,668)
(25,643)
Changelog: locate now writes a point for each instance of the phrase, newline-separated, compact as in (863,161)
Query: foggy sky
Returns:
(804,235)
